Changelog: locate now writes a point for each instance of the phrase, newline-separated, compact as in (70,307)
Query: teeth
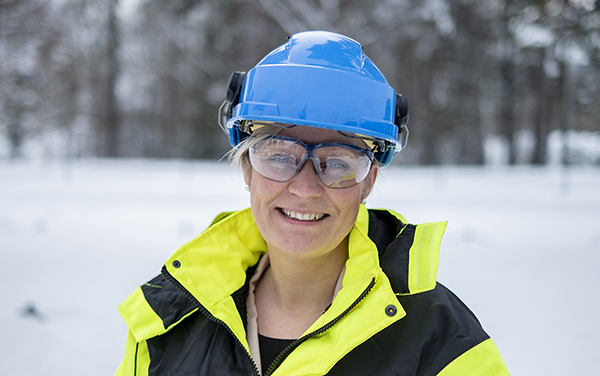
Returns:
(302,217)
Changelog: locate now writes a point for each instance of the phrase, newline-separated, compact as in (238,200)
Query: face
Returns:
(302,216)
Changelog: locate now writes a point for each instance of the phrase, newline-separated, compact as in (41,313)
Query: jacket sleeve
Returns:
(136,360)
(481,360)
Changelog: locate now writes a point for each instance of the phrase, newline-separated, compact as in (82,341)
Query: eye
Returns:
(336,164)
(281,158)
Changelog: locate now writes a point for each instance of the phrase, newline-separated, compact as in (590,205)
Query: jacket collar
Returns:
(213,266)
(409,254)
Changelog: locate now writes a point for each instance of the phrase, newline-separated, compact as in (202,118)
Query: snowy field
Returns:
(522,249)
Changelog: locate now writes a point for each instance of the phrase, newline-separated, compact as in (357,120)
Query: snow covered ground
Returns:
(522,249)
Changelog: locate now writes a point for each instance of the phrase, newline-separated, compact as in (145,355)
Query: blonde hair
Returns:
(239,156)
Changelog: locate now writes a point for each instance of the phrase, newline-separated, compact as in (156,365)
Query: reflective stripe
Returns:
(481,360)
(424,257)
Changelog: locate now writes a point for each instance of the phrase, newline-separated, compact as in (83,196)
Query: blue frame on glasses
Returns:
(310,150)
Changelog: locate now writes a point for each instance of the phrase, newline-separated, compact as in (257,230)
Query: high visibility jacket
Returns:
(389,318)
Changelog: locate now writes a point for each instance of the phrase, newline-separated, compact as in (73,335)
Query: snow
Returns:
(522,249)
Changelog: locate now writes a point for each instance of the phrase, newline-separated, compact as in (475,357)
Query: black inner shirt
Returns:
(270,348)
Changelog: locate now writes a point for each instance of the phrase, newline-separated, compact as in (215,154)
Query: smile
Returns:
(301,217)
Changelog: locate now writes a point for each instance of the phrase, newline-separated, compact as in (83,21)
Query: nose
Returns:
(307,182)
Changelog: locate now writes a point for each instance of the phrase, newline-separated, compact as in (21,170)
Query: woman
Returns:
(308,281)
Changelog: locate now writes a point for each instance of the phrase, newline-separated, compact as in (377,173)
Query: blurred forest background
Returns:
(145,78)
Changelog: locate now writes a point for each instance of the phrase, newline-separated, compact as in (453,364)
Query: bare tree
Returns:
(21,22)
(147,81)
(111,118)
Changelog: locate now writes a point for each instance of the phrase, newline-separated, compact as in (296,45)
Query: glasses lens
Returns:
(338,165)
(341,166)
(277,159)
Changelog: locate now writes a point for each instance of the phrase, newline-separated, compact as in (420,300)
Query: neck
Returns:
(305,282)
(295,291)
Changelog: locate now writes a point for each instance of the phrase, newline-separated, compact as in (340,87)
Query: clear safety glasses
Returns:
(338,165)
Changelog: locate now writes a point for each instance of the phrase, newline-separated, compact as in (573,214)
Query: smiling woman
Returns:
(308,281)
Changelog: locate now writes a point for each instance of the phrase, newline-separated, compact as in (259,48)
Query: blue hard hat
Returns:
(318,79)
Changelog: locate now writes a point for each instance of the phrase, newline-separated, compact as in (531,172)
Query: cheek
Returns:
(349,203)
(262,191)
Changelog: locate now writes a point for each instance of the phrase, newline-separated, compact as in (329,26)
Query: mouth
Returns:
(307,217)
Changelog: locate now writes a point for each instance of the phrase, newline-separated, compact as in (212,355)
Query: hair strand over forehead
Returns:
(239,155)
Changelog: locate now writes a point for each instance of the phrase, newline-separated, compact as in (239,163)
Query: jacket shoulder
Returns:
(154,308)
(457,344)
(447,327)
(437,330)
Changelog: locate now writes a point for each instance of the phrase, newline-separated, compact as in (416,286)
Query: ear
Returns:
(247,177)
(369,182)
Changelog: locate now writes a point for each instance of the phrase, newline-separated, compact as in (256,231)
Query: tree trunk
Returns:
(508,108)
(111,115)
(543,112)
(567,109)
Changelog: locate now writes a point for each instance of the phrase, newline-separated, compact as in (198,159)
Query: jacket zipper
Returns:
(210,316)
(284,354)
